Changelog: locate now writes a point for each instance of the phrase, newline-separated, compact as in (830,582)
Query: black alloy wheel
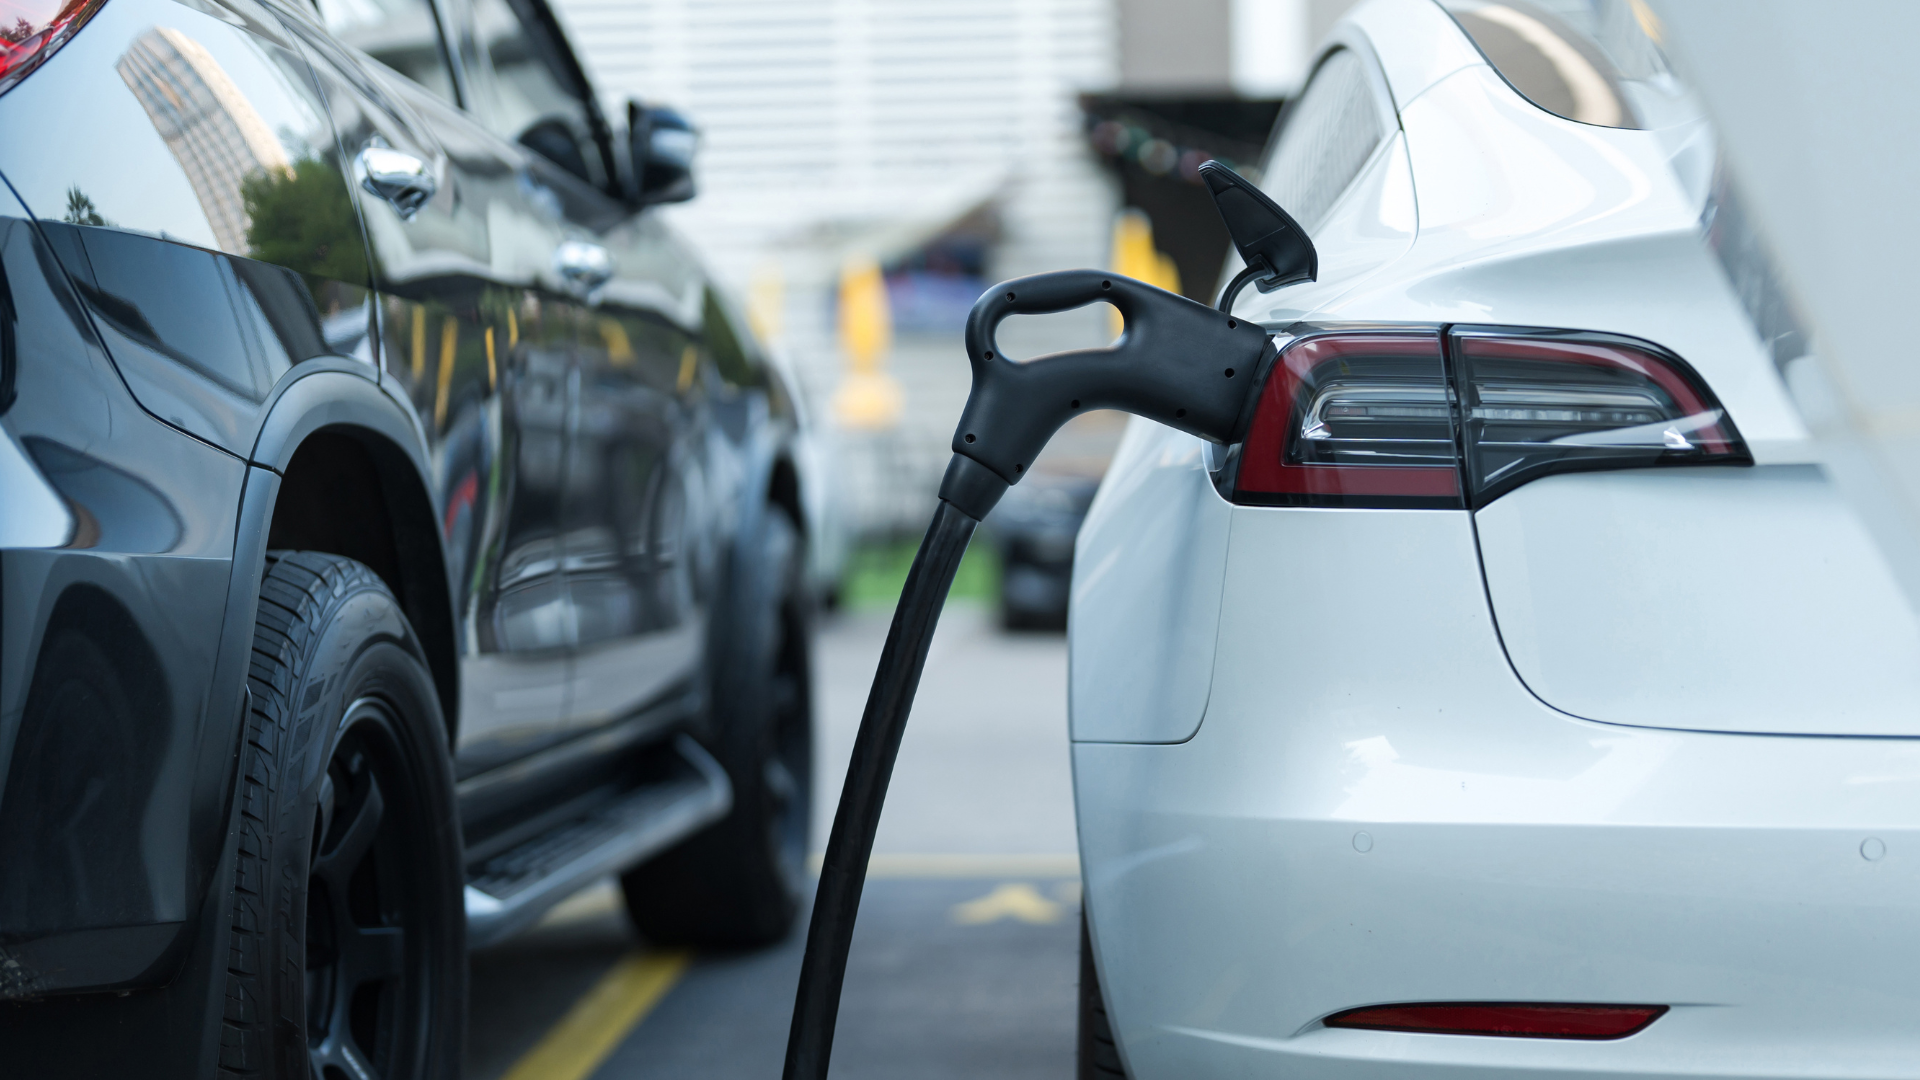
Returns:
(739,882)
(364,910)
(347,958)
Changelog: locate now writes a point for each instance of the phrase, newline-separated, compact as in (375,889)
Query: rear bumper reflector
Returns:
(1507,1019)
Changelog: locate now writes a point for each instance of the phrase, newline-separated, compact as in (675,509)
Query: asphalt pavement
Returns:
(964,963)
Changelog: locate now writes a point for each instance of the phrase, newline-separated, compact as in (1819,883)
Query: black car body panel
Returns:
(218,340)
(108,655)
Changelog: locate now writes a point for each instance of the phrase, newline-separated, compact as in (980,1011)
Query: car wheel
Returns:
(347,957)
(1096,1056)
(739,882)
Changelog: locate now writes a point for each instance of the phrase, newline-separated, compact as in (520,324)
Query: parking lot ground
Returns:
(964,963)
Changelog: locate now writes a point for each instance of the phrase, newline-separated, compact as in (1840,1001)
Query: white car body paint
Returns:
(1144,608)
(1601,735)
(1713,599)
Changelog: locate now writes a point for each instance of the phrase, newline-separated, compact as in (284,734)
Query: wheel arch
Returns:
(768,478)
(353,480)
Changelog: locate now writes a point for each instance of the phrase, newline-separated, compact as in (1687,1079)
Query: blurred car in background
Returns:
(1520,697)
(399,532)
(819,470)
(1033,531)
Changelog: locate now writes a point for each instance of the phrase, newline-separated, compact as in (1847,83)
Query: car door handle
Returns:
(583,265)
(404,181)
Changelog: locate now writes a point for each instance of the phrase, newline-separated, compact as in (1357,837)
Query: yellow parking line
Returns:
(892,865)
(601,1018)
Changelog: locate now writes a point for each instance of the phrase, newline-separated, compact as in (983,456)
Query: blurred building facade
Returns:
(945,143)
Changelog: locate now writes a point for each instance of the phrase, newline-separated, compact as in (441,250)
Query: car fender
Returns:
(343,396)
(1148,569)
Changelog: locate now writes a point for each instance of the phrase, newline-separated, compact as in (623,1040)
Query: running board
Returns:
(510,891)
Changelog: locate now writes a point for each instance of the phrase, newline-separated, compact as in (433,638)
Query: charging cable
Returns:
(1177,362)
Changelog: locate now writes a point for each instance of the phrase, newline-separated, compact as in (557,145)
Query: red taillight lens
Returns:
(30,30)
(1390,419)
(1353,419)
(1509,1019)
(1541,402)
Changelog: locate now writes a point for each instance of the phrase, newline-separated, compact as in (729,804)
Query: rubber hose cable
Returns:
(843,871)
(1239,282)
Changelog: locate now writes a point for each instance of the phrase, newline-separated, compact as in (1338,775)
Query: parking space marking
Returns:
(602,1017)
(905,865)
(1012,900)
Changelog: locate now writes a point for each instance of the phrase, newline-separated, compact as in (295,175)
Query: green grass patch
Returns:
(877,572)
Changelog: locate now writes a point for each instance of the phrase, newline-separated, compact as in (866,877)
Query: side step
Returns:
(511,890)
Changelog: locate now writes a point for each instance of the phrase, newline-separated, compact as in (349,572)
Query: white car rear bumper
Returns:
(1512,853)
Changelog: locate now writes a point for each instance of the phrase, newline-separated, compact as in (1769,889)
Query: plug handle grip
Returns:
(1177,362)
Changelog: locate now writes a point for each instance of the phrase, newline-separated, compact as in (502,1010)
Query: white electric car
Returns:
(1519,699)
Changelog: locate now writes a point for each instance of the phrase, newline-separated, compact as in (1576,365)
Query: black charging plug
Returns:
(1183,364)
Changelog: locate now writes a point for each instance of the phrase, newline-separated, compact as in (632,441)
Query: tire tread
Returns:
(297,589)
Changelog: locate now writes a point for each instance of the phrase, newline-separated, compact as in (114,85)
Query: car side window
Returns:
(402,34)
(1325,138)
(530,92)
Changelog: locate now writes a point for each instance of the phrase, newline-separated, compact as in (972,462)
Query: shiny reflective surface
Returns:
(483,357)
(200,210)
(546,457)
(632,538)
(560,376)
(106,653)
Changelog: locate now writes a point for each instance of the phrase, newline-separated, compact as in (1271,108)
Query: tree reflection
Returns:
(303,219)
(80,209)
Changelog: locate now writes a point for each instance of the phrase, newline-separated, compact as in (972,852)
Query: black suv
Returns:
(397,532)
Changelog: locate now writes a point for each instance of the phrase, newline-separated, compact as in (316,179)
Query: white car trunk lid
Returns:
(1744,600)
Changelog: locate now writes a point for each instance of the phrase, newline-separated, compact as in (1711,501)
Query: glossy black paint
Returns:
(195,206)
(216,340)
(108,652)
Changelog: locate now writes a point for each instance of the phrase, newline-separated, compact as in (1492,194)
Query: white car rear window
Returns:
(1325,137)
(1595,61)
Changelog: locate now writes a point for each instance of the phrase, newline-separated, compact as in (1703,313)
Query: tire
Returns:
(1096,1055)
(739,882)
(347,953)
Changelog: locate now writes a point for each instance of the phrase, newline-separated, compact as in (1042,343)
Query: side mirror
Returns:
(662,143)
(1273,245)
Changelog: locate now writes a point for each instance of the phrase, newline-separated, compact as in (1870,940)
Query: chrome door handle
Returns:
(404,181)
(582,265)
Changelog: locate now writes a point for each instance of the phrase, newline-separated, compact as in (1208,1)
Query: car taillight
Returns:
(1354,419)
(1510,1019)
(1540,402)
(1393,419)
(30,30)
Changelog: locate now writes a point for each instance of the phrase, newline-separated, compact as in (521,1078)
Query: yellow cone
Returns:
(869,398)
(1135,256)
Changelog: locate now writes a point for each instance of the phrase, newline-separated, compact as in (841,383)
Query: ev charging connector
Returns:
(1177,362)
